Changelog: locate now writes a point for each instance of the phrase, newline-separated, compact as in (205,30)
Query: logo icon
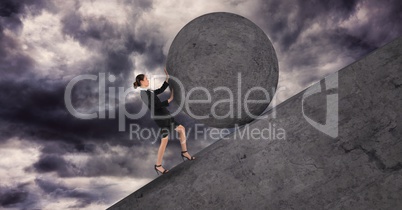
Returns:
(331,124)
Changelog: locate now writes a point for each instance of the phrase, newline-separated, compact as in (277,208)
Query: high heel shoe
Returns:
(182,156)
(164,172)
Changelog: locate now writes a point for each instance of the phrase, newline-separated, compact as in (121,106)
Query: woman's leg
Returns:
(182,135)
(161,151)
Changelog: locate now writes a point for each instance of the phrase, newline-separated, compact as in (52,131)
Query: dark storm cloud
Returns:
(15,197)
(12,65)
(8,197)
(383,23)
(286,30)
(23,196)
(61,148)
(13,61)
(41,108)
(304,53)
(59,190)
(114,42)
(96,165)
(11,12)
(51,163)
(9,8)
(140,4)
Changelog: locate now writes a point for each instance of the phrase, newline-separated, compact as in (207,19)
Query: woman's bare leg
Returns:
(161,151)
(182,135)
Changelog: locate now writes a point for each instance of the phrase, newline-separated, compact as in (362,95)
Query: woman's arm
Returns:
(171,96)
(162,88)
(171,90)
(167,75)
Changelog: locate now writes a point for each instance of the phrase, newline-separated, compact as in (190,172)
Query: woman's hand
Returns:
(167,75)
(171,95)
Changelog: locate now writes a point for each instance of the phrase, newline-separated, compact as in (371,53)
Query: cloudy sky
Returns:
(49,159)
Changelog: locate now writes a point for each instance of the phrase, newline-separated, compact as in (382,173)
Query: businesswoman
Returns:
(158,107)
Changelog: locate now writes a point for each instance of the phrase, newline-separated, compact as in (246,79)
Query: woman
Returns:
(159,109)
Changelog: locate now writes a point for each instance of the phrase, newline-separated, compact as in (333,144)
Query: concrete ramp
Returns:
(342,150)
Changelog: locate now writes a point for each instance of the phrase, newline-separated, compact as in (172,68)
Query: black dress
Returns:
(158,108)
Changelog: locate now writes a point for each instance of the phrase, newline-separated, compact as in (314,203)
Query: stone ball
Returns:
(223,70)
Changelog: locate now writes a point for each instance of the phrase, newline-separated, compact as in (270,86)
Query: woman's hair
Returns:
(138,80)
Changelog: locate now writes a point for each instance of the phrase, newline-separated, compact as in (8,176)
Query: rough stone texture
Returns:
(220,50)
(359,169)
